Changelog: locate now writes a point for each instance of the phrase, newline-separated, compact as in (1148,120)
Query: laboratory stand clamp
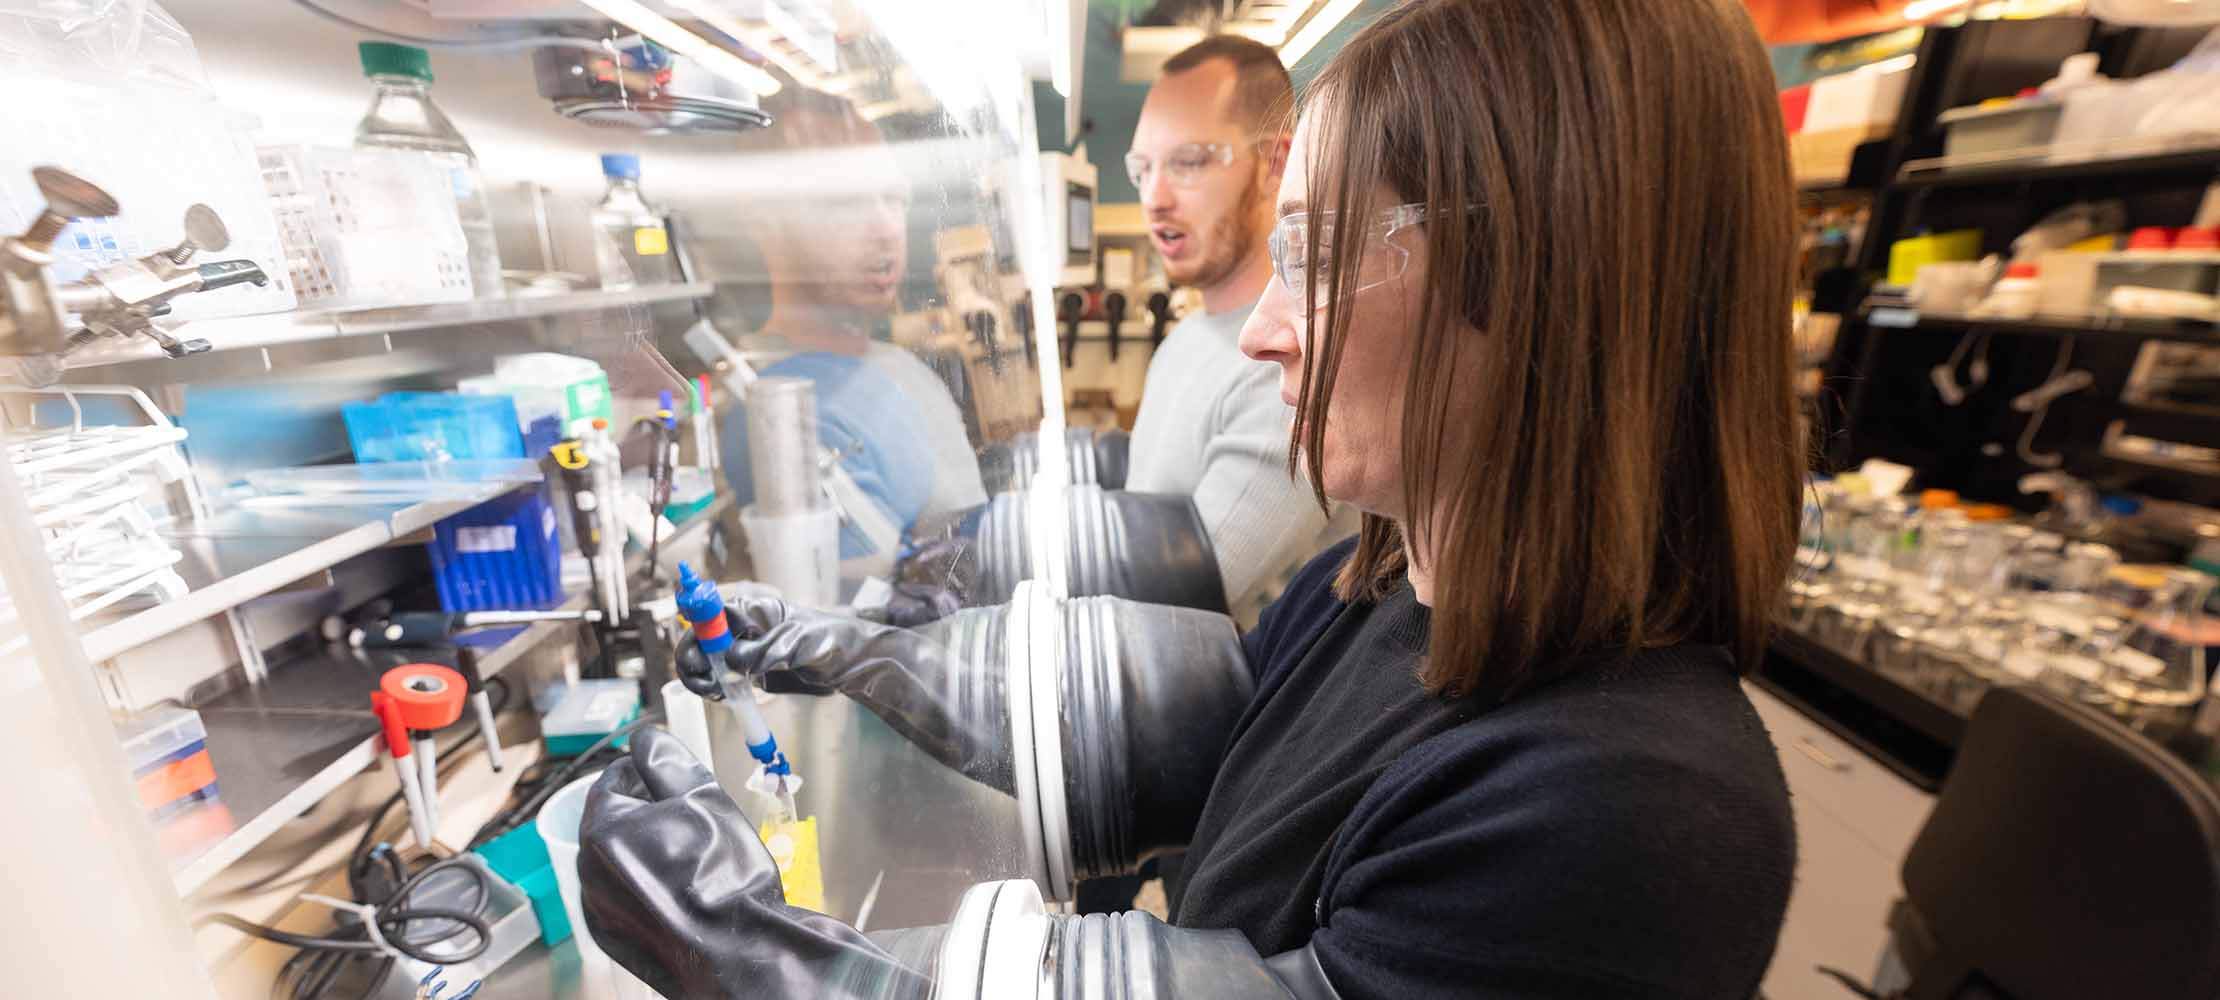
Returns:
(120,300)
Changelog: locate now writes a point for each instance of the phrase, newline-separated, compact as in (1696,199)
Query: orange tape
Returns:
(176,779)
(428,696)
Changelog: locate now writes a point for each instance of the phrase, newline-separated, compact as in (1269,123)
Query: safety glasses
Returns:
(1384,259)
(1184,167)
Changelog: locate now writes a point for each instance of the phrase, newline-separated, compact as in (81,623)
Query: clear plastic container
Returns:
(583,382)
(402,116)
(586,712)
(558,826)
(394,482)
(167,749)
(365,227)
(632,243)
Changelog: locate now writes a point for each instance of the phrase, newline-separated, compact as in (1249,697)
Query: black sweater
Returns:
(1622,832)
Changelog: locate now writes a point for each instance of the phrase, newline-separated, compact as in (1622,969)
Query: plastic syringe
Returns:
(704,610)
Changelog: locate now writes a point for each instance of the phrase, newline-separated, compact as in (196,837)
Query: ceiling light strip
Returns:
(667,33)
(1314,30)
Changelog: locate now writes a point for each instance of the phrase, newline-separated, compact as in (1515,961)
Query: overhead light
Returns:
(753,36)
(667,33)
(1920,10)
(1314,30)
(1062,47)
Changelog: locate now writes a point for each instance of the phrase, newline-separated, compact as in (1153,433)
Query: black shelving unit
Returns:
(1878,398)
(2191,331)
(2198,163)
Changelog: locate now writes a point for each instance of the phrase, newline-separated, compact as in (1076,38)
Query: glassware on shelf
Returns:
(2155,675)
(1926,608)
(402,116)
(2040,562)
(1868,577)
(632,243)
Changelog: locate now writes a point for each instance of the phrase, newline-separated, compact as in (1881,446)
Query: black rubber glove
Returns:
(677,888)
(924,684)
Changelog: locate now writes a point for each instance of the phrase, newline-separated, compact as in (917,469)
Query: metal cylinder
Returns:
(782,446)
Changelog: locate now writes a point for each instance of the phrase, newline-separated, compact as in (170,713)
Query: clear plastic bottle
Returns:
(632,244)
(402,116)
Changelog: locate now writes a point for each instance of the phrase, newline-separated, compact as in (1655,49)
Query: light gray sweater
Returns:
(1212,426)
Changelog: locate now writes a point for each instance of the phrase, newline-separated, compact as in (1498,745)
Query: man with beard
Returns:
(1207,156)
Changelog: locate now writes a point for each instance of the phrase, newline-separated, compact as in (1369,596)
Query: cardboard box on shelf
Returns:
(1868,96)
(1820,159)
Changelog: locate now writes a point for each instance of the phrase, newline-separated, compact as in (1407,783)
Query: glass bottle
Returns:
(632,244)
(402,116)
(1808,587)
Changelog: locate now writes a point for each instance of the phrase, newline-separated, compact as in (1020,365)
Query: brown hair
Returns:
(1262,92)
(1602,355)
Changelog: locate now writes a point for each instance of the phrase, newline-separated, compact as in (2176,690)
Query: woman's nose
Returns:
(1270,333)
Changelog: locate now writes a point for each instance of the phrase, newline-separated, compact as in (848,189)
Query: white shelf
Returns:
(242,554)
(275,329)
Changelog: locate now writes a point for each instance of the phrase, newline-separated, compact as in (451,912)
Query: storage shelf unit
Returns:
(277,329)
(242,554)
(2192,331)
(2038,167)
(281,746)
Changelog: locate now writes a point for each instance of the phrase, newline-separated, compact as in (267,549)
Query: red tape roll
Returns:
(429,696)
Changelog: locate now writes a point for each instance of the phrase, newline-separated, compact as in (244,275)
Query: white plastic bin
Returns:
(2026,124)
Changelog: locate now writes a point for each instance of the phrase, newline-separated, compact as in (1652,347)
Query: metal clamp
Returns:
(120,300)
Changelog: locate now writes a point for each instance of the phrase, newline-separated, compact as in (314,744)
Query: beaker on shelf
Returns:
(2155,675)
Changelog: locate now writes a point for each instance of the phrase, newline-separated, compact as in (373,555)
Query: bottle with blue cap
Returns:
(632,241)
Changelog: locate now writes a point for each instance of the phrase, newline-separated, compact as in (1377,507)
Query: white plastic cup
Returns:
(799,554)
(687,717)
(558,826)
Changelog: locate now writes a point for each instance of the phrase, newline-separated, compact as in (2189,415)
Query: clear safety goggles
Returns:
(1184,167)
(1384,259)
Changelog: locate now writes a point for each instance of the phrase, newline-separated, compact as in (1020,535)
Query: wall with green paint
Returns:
(1114,106)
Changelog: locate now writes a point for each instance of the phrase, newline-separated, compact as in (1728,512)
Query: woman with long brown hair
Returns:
(1533,276)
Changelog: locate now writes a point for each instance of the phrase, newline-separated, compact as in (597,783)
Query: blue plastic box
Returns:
(502,555)
(433,427)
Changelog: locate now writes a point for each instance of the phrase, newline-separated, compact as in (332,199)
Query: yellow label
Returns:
(793,845)
(651,241)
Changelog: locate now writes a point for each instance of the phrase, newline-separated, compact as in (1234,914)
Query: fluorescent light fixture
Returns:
(665,32)
(1920,10)
(1063,49)
(1314,30)
(758,37)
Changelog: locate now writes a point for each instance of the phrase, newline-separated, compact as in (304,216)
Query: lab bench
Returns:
(1906,729)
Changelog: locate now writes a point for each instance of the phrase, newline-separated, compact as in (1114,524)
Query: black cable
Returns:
(509,819)
(393,916)
(321,960)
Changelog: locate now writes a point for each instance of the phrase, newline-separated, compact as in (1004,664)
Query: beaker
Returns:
(2155,675)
